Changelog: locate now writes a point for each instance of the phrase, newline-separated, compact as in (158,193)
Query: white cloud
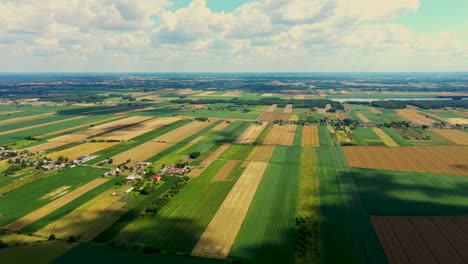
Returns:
(264,35)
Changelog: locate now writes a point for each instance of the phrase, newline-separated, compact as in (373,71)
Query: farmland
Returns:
(258,169)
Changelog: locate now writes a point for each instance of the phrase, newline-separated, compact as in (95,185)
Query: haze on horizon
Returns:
(233,35)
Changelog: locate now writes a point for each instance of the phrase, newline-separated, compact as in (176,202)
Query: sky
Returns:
(233,35)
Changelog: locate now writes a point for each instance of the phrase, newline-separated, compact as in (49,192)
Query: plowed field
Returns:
(436,159)
(281,135)
(415,117)
(457,136)
(251,133)
(81,150)
(310,137)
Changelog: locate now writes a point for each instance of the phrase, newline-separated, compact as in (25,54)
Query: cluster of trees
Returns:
(202,119)
(159,203)
(304,235)
(424,104)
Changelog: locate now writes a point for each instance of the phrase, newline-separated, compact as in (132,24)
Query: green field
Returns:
(260,238)
(26,199)
(365,136)
(185,217)
(396,136)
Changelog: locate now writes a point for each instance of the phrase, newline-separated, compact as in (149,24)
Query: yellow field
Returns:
(270,116)
(272,108)
(54,205)
(288,109)
(217,239)
(139,129)
(88,220)
(224,172)
(261,153)
(39,125)
(453,121)
(81,135)
(436,159)
(310,137)
(281,135)
(81,150)
(384,137)
(159,144)
(73,128)
(215,155)
(363,118)
(251,133)
(374,110)
(25,118)
(221,126)
(455,135)
(414,117)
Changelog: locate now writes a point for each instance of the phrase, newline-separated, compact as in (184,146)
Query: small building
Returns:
(134,177)
(157,177)
(129,190)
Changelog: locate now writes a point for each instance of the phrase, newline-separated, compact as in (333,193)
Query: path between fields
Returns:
(54,205)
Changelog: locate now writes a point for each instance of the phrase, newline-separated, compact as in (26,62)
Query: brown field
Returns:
(82,135)
(138,129)
(272,108)
(281,135)
(299,96)
(195,172)
(251,133)
(81,150)
(269,116)
(423,239)
(342,116)
(40,125)
(217,239)
(414,117)
(435,159)
(348,107)
(323,111)
(75,127)
(153,147)
(288,109)
(215,155)
(261,153)
(310,137)
(24,118)
(88,220)
(54,205)
(322,93)
(389,142)
(374,110)
(363,118)
(455,135)
(225,170)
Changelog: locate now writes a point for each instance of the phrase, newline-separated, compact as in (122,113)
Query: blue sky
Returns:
(233,35)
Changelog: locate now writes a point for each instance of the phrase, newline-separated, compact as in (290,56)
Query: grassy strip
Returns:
(264,134)
(64,210)
(395,136)
(30,196)
(308,221)
(134,212)
(114,150)
(324,136)
(298,136)
(365,136)
(33,122)
(237,152)
(268,231)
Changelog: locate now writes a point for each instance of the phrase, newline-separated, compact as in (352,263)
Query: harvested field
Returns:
(455,135)
(374,110)
(81,135)
(225,170)
(217,239)
(461,121)
(288,109)
(139,129)
(54,205)
(157,145)
(215,155)
(88,220)
(321,93)
(81,150)
(423,239)
(435,159)
(348,107)
(74,128)
(272,108)
(251,133)
(384,137)
(299,96)
(363,118)
(281,135)
(24,118)
(261,153)
(40,125)
(196,140)
(232,93)
(195,172)
(270,116)
(205,93)
(221,126)
(342,116)
(414,117)
(310,137)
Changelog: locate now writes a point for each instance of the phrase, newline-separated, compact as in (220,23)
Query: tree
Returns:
(195,155)
(51,237)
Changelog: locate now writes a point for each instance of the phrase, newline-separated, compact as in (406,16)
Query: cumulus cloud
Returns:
(286,34)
